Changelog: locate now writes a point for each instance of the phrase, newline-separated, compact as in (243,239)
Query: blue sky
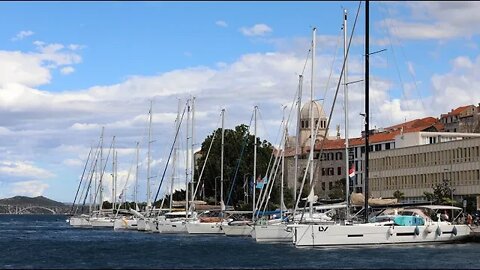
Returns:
(69,68)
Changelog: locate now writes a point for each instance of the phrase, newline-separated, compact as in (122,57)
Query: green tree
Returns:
(234,141)
(442,194)
(106,205)
(398,195)
(338,190)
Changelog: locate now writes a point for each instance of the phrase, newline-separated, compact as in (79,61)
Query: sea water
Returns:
(47,241)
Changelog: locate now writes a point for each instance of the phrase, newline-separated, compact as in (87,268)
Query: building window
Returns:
(339,170)
(339,156)
(323,185)
(387,146)
(323,171)
(378,147)
(330,185)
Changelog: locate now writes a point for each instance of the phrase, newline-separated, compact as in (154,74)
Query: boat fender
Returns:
(454,230)
(417,230)
(390,230)
(438,231)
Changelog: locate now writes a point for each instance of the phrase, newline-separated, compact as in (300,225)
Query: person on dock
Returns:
(469,219)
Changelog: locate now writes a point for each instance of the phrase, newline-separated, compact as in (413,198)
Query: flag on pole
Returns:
(351,172)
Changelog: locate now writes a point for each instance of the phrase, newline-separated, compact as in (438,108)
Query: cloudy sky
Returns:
(67,69)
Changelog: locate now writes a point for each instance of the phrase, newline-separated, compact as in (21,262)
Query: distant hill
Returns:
(38,201)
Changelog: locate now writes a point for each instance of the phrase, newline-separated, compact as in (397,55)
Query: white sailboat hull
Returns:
(125,224)
(102,222)
(367,234)
(204,228)
(272,233)
(237,230)
(142,225)
(168,226)
(81,222)
(152,226)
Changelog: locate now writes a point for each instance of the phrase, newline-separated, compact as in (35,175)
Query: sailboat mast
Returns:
(101,159)
(367,128)
(174,168)
(345,89)
(283,163)
(297,141)
(149,202)
(254,161)
(312,135)
(186,157)
(113,174)
(192,155)
(221,159)
(135,188)
(115,180)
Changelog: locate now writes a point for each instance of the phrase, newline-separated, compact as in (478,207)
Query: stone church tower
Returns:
(305,122)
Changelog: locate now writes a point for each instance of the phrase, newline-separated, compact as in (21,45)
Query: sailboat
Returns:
(173,221)
(104,219)
(274,230)
(210,222)
(143,224)
(278,230)
(419,224)
(129,218)
(81,220)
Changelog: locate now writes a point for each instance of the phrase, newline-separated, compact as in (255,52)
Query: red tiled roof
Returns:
(417,123)
(388,135)
(457,111)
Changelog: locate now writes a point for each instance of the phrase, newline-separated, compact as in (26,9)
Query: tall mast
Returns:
(149,202)
(367,128)
(192,155)
(101,170)
(222,204)
(113,174)
(115,180)
(254,160)
(345,89)
(135,188)
(297,141)
(174,168)
(283,164)
(312,135)
(186,158)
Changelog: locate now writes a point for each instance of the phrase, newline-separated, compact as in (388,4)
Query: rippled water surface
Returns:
(42,241)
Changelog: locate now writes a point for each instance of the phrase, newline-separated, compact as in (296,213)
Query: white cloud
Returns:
(73,162)
(436,20)
(23,169)
(256,30)
(24,69)
(56,54)
(21,35)
(32,188)
(67,70)
(458,85)
(75,47)
(221,23)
